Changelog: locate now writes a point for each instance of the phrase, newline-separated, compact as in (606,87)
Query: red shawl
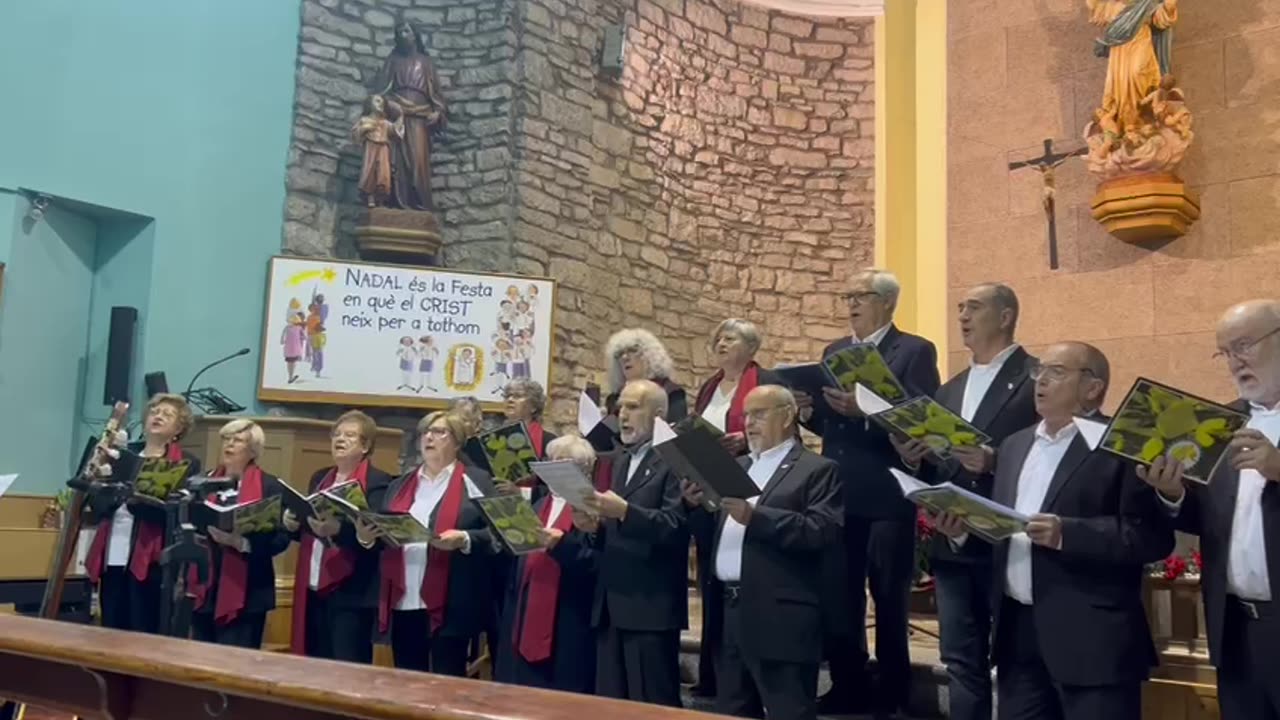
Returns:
(735,421)
(148,539)
(540,588)
(435,584)
(336,565)
(233,579)
(535,436)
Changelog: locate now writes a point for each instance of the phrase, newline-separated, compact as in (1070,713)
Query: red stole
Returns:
(336,565)
(735,420)
(233,578)
(435,584)
(540,589)
(535,436)
(148,541)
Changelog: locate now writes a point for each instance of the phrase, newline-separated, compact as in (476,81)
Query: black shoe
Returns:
(702,691)
(840,702)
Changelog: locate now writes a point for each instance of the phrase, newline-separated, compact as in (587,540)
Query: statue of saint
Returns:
(409,84)
(375,132)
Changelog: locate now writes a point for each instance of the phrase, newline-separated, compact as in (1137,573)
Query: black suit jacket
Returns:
(1209,511)
(1008,406)
(260,595)
(361,589)
(797,517)
(861,447)
(644,558)
(1087,597)
(470,574)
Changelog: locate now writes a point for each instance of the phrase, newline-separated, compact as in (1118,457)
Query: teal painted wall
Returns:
(176,111)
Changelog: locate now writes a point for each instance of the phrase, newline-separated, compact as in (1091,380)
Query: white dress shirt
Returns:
(875,337)
(557,507)
(979,382)
(317,548)
(119,545)
(1247,557)
(1033,485)
(429,494)
(717,409)
(729,551)
(637,457)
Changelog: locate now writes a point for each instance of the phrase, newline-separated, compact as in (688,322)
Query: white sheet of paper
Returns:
(908,483)
(589,415)
(662,431)
(6,481)
(566,479)
(868,402)
(1091,430)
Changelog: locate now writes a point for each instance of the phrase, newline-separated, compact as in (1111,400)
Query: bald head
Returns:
(1248,336)
(640,402)
(1072,380)
(771,417)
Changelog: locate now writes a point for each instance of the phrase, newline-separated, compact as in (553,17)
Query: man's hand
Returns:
(607,504)
(326,528)
(585,522)
(911,450)
(737,508)
(507,488)
(692,492)
(450,540)
(950,525)
(290,521)
(226,539)
(804,405)
(734,443)
(366,532)
(1165,475)
(549,537)
(842,402)
(977,460)
(1045,530)
(1251,450)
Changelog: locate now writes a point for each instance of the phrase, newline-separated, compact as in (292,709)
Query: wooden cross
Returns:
(1046,164)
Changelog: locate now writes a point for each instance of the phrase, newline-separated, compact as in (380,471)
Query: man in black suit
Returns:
(642,595)
(879,524)
(1071,636)
(995,393)
(1237,516)
(767,556)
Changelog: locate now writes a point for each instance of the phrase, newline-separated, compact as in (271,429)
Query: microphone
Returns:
(232,356)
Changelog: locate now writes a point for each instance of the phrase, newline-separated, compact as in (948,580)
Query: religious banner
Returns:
(355,333)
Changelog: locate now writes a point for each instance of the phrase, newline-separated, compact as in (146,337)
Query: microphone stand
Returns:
(185,551)
(209,399)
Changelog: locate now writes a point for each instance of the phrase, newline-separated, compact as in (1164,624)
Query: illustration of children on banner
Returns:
(318,312)
(407,355)
(427,354)
(501,358)
(464,367)
(294,339)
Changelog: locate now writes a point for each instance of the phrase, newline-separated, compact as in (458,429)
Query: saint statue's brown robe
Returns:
(408,79)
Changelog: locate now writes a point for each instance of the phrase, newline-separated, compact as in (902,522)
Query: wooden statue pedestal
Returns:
(404,236)
(1139,208)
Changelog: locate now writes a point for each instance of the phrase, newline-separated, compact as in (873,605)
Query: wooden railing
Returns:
(97,673)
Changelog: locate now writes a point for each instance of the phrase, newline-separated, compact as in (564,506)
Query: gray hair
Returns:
(531,389)
(746,329)
(572,447)
(883,283)
(1004,298)
(640,341)
(1095,363)
(256,438)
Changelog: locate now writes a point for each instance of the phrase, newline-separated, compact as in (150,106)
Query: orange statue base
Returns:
(405,236)
(1140,208)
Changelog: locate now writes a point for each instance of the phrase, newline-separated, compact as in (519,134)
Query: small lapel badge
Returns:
(1010,386)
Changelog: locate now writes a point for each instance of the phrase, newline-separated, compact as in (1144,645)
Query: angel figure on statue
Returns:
(374,130)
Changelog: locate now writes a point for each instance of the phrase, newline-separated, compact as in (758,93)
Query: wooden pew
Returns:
(105,674)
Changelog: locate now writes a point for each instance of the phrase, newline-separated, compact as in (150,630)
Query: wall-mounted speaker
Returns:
(157,383)
(120,345)
(613,49)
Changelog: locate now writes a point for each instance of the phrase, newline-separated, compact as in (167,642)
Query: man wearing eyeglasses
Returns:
(1071,636)
(767,565)
(1237,516)
(996,394)
(879,525)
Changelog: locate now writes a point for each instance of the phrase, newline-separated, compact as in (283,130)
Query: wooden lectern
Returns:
(295,449)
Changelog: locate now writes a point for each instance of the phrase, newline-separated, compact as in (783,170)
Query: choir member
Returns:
(1237,516)
(1071,636)
(525,401)
(768,561)
(642,599)
(879,524)
(546,638)
(996,394)
(335,589)
(636,354)
(468,409)
(734,344)
(435,596)
(124,558)
(231,609)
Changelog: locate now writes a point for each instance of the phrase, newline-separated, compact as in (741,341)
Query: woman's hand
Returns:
(326,528)
(226,539)
(450,540)
(290,521)
(366,532)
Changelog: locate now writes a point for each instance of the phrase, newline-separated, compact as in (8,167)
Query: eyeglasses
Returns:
(859,298)
(1242,349)
(760,414)
(1055,373)
(436,432)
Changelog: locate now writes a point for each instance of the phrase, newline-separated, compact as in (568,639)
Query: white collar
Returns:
(997,361)
(777,450)
(875,337)
(1067,432)
(1260,409)
(444,474)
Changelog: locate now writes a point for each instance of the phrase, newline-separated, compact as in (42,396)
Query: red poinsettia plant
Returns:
(1177,566)
(924,538)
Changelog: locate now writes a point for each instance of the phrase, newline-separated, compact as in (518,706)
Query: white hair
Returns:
(256,438)
(747,330)
(884,283)
(639,341)
(572,447)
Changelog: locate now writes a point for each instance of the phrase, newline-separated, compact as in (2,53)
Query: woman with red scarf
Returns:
(124,558)
(335,588)
(546,639)
(231,609)
(733,346)
(525,401)
(436,596)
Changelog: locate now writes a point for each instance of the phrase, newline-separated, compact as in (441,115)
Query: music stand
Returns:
(212,402)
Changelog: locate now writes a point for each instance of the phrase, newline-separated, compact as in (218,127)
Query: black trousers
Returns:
(128,604)
(245,631)
(1249,676)
(964,622)
(712,620)
(640,666)
(879,553)
(413,647)
(1026,691)
(752,687)
(335,632)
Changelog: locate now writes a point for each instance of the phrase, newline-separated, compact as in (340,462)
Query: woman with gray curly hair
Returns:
(637,354)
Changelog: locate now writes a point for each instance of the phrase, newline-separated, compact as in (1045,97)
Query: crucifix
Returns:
(1046,164)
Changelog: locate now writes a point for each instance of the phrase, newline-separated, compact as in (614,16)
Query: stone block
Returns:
(1252,67)
(825,51)
(978,63)
(787,157)
(783,64)
(1200,69)
(746,35)
(978,191)
(1087,306)
(789,118)
(792,26)
(1255,205)
(705,16)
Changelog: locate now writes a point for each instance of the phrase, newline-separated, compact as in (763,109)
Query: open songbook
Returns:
(923,419)
(600,431)
(259,516)
(157,479)
(324,503)
(863,364)
(984,517)
(696,454)
(1156,420)
(508,452)
(515,522)
(566,479)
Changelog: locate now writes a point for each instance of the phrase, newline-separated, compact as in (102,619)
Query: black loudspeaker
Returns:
(613,50)
(124,330)
(156,384)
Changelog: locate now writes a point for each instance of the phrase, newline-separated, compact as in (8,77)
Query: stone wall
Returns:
(1030,75)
